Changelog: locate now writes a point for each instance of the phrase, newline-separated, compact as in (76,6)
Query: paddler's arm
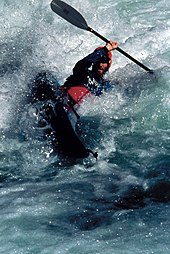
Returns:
(87,61)
(98,54)
(81,69)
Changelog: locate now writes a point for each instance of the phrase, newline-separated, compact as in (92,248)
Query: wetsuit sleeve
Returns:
(81,69)
(83,65)
(97,55)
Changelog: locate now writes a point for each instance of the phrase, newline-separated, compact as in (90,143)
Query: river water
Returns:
(118,204)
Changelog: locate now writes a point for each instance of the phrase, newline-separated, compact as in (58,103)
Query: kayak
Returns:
(59,115)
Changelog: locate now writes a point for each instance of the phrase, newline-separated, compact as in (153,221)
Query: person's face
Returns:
(102,68)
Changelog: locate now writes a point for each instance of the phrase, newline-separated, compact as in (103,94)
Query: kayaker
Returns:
(59,101)
(88,73)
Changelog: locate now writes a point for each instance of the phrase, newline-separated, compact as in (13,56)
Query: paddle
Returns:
(75,18)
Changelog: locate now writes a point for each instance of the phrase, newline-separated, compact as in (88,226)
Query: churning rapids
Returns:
(118,204)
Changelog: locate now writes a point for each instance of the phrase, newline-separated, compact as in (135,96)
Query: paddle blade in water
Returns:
(69,13)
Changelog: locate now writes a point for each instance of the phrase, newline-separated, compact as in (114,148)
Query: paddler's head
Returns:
(103,66)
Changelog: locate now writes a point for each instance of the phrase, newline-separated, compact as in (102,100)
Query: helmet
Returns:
(108,57)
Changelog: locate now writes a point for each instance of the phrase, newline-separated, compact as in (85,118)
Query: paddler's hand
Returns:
(111,45)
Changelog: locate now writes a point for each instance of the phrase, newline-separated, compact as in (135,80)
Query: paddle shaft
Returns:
(120,50)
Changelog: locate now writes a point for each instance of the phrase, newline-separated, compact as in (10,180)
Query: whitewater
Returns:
(118,204)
